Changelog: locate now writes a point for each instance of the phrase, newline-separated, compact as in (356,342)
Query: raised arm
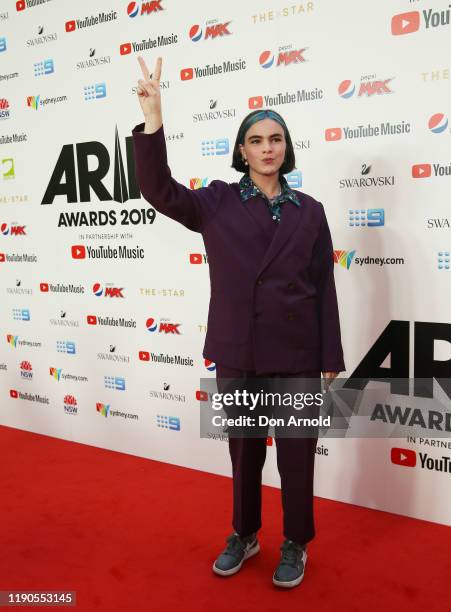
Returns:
(192,208)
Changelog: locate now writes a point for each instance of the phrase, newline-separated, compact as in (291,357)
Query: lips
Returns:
(268,161)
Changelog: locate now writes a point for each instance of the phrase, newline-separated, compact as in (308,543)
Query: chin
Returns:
(272,170)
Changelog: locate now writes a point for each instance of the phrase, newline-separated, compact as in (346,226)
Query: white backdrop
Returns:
(78,333)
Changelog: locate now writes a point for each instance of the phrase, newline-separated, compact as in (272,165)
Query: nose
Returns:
(267,147)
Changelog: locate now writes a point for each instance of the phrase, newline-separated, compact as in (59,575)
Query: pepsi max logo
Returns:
(438,123)
(210,365)
(267,58)
(112,292)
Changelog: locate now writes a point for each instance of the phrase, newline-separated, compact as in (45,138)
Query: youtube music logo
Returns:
(421,170)
(197,258)
(332,134)
(408,458)
(186,74)
(403,456)
(405,23)
(125,49)
(78,251)
(255,102)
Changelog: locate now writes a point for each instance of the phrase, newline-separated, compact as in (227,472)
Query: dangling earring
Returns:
(245,161)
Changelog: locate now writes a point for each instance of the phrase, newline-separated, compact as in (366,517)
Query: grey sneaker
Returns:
(290,570)
(237,551)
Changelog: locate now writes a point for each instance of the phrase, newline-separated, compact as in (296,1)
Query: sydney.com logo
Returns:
(345,258)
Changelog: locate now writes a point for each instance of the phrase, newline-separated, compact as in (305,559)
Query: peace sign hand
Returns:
(149,95)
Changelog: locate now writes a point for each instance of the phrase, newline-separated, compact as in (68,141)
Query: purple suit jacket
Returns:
(273,304)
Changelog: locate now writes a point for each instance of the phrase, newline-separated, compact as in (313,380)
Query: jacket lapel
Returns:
(255,219)
(289,221)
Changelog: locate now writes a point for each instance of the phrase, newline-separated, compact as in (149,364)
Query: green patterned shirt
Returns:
(248,189)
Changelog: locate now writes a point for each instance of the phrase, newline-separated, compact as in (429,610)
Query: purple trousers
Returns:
(295,462)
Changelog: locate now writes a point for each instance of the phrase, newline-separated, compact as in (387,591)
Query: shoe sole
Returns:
(247,555)
(292,583)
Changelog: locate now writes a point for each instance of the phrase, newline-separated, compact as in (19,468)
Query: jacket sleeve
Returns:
(193,208)
(329,318)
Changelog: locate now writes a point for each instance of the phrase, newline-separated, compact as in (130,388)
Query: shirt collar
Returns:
(248,189)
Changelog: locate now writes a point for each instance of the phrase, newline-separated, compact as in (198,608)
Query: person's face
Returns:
(264,146)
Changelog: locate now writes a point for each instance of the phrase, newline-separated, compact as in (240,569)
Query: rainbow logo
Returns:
(33,102)
(55,373)
(104,409)
(344,258)
(12,340)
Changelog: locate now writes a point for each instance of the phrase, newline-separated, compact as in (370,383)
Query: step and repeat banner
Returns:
(103,301)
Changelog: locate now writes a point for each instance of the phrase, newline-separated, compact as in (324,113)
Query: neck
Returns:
(268,183)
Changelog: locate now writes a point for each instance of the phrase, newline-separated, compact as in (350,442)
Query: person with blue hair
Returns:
(273,309)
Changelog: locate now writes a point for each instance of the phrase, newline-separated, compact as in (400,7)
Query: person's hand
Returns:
(149,94)
(328,378)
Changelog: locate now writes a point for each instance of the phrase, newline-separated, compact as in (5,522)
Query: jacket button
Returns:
(290,285)
(260,282)
(290,316)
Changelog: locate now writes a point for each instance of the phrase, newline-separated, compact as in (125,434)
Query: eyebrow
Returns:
(258,136)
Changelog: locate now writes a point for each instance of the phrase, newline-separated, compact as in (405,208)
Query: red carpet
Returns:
(136,535)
